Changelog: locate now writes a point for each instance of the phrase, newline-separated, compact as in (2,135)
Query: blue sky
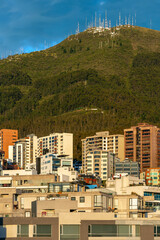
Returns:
(30,25)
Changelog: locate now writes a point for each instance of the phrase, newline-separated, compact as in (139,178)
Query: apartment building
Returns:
(56,143)
(49,163)
(24,151)
(130,167)
(100,163)
(142,144)
(152,177)
(80,226)
(105,142)
(7,137)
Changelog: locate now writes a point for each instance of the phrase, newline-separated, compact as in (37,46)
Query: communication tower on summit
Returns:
(132,21)
(99,20)
(125,20)
(129,21)
(77,31)
(95,19)
(106,21)
(119,19)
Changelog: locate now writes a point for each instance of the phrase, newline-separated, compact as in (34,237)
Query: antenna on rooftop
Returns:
(135,19)
(110,24)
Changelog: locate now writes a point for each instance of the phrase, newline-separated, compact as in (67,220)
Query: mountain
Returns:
(90,82)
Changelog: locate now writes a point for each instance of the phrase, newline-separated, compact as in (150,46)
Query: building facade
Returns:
(79,226)
(105,142)
(100,163)
(142,144)
(130,167)
(50,163)
(152,177)
(7,137)
(56,143)
(24,151)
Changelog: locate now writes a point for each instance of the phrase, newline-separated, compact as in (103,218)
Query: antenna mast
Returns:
(119,19)
(95,19)
(106,21)
(126,21)
(77,31)
(99,20)
(129,21)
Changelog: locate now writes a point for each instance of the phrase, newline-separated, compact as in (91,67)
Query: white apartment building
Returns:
(100,163)
(24,151)
(102,141)
(50,163)
(56,143)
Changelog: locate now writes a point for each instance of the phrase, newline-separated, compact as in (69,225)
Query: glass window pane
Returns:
(23,230)
(70,232)
(104,230)
(71,229)
(44,230)
(123,230)
(158,231)
(137,230)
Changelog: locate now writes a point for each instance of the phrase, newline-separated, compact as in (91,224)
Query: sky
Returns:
(31,25)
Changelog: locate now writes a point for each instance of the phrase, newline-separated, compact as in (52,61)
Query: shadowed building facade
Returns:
(142,144)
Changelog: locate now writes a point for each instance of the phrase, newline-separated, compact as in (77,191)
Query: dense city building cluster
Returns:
(113,193)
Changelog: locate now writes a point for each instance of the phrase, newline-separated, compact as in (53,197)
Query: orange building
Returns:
(142,144)
(7,137)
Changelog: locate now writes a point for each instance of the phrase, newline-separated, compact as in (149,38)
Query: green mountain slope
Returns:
(89,82)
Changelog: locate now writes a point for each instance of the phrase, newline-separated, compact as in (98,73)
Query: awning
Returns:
(91,186)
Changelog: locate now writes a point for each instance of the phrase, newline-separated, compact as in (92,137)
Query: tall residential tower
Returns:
(105,142)
(142,144)
(7,137)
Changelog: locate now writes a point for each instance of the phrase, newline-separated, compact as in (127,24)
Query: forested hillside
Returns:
(87,83)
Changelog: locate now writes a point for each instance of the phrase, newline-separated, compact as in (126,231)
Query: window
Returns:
(69,232)
(109,230)
(23,230)
(82,199)
(42,231)
(157,231)
(22,203)
(133,203)
(137,230)
(27,214)
(97,201)
(73,198)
